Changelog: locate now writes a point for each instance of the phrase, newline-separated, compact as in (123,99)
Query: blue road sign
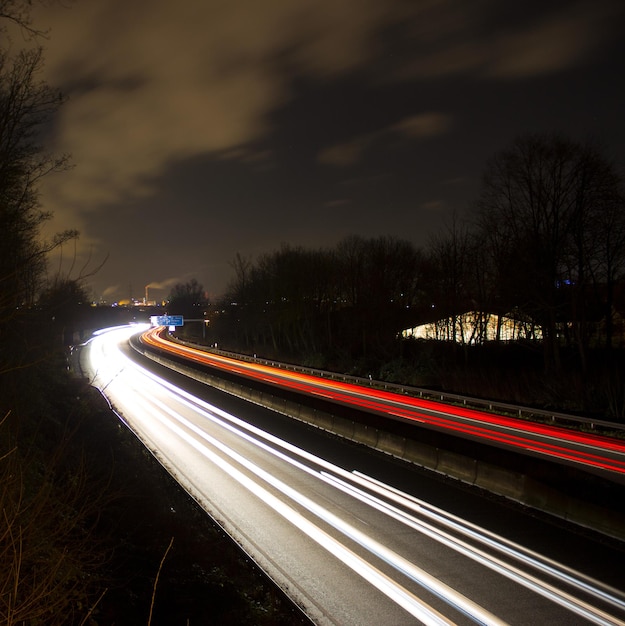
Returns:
(167,320)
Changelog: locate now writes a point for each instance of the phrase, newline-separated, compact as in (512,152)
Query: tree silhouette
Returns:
(187,299)
(545,209)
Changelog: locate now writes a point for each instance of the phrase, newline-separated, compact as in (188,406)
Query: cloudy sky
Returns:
(205,128)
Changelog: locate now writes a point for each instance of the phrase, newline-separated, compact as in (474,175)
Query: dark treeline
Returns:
(543,246)
(48,552)
(84,515)
(351,300)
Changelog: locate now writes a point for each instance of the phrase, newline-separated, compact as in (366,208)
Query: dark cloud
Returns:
(414,127)
(223,127)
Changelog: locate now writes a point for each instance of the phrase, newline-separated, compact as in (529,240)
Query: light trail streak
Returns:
(549,591)
(584,583)
(137,388)
(341,479)
(546,440)
(396,592)
(484,537)
(495,542)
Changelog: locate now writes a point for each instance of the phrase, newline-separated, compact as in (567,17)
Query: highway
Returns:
(353,536)
(602,455)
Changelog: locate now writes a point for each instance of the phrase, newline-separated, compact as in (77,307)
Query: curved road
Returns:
(601,455)
(355,537)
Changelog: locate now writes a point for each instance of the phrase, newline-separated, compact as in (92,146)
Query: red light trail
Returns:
(555,442)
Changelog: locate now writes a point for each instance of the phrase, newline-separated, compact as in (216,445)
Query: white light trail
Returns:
(108,362)
(486,538)
(408,601)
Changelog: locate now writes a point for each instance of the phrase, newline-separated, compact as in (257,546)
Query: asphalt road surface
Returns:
(354,536)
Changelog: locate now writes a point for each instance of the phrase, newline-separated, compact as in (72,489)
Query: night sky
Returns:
(206,128)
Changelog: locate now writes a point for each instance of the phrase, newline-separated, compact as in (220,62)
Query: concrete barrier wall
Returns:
(421,454)
(497,480)
(501,481)
(457,466)
(367,435)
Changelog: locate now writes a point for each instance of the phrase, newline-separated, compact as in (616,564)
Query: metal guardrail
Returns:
(523,412)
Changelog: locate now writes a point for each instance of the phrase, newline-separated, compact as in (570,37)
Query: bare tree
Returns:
(26,105)
(599,262)
(48,552)
(17,13)
(187,299)
(378,281)
(539,206)
(450,257)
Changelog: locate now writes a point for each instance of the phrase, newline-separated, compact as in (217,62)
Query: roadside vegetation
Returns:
(92,530)
(542,249)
